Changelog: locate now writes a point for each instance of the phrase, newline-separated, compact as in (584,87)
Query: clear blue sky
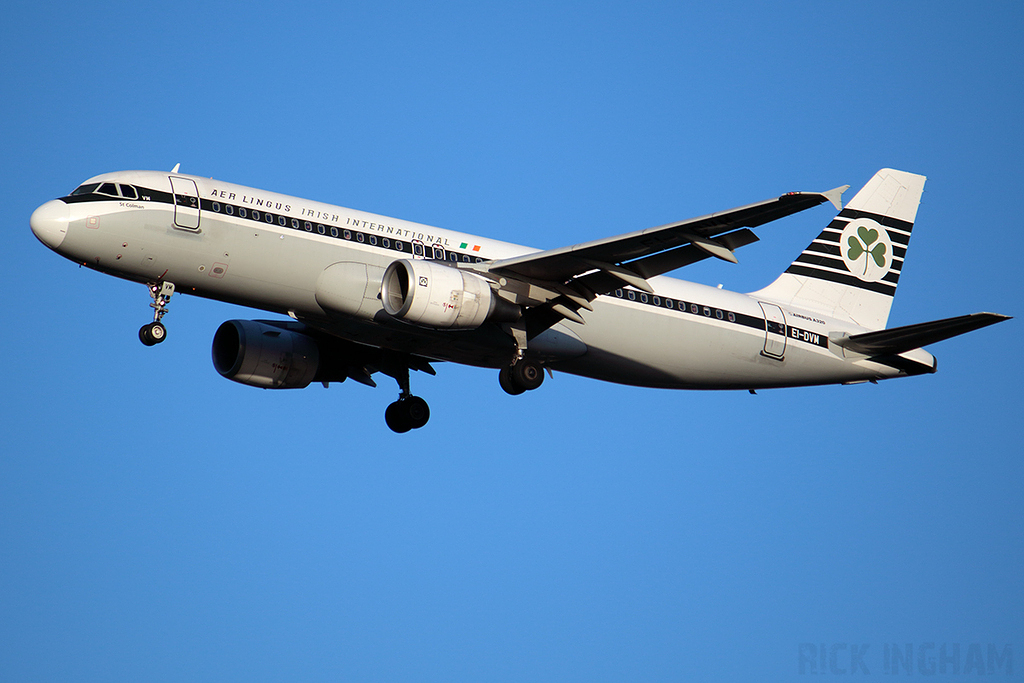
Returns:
(160,523)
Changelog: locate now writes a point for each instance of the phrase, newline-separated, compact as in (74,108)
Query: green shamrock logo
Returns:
(860,247)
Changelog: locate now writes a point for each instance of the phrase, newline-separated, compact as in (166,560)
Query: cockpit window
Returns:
(108,188)
(85,189)
(128,192)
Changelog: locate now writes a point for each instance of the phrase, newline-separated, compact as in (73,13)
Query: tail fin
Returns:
(850,271)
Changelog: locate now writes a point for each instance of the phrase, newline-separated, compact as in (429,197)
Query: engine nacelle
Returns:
(261,355)
(437,296)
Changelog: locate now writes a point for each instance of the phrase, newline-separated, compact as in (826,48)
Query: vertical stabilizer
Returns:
(850,271)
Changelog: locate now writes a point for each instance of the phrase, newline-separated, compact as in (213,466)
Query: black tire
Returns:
(397,418)
(505,380)
(527,374)
(144,335)
(417,411)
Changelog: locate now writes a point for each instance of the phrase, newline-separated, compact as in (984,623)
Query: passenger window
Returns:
(439,253)
(417,249)
(215,206)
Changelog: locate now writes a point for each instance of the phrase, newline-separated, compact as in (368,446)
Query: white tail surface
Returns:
(850,271)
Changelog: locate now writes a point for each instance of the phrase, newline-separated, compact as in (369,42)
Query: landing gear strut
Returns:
(155,332)
(408,412)
(524,375)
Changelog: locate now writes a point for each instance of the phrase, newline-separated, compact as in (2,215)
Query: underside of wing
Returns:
(342,359)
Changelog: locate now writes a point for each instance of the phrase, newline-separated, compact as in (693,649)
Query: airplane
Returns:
(364,293)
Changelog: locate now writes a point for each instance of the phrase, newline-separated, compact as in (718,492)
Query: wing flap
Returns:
(672,259)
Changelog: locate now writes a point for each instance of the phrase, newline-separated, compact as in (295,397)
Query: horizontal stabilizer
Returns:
(902,339)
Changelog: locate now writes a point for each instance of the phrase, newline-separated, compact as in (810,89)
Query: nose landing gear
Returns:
(155,332)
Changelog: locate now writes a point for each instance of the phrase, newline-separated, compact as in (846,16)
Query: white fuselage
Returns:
(267,251)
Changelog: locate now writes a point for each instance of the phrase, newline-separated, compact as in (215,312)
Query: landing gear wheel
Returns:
(417,410)
(527,374)
(505,380)
(153,333)
(396,418)
(410,412)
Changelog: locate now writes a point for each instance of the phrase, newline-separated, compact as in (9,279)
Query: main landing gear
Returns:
(155,332)
(523,375)
(408,412)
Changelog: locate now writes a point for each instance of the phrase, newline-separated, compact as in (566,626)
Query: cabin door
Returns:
(186,203)
(774,331)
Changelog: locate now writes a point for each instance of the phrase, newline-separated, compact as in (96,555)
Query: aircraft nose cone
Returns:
(50,222)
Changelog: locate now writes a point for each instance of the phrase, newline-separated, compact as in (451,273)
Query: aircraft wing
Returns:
(557,283)
(650,252)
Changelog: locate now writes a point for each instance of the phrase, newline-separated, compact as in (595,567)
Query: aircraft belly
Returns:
(630,344)
(635,346)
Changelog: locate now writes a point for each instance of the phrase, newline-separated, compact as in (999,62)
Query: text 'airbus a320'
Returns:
(367,294)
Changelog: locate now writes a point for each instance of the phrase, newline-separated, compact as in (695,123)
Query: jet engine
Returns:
(262,355)
(437,296)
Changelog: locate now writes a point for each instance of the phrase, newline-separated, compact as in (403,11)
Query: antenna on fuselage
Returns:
(175,169)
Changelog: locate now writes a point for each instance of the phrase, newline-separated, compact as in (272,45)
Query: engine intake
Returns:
(437,296)
(261,355)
